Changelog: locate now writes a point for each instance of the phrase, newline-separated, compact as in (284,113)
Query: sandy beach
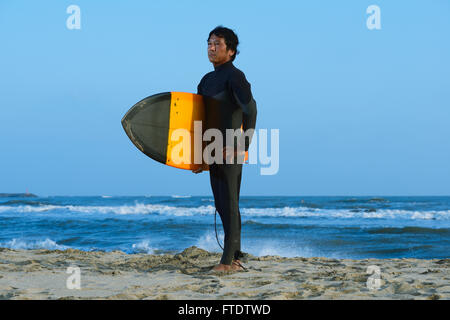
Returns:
(44,274)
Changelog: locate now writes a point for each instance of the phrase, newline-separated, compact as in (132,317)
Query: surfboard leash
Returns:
(217,238)
(215,228)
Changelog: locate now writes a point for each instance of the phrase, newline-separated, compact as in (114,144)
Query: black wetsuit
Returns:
(232,106)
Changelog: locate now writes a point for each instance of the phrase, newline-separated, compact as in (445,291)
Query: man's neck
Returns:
(221,64)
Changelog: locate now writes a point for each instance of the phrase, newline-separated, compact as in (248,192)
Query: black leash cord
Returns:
(217,238)
(215,228)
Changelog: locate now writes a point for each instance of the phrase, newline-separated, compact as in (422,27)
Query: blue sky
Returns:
(360,112)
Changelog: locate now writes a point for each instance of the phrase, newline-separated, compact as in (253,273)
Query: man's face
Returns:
(217,50)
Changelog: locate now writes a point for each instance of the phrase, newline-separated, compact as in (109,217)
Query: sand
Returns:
(42,274)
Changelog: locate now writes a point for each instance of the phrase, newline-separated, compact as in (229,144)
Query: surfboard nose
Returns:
(147,125)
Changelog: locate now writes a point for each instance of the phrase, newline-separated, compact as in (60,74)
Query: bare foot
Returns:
(222,267)
(237,266)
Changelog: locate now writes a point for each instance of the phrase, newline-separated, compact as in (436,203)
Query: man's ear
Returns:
(231,52)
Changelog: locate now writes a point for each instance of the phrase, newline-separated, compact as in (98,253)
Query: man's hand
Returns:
(201,168)
(229,154)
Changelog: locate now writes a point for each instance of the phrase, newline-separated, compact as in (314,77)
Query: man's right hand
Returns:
(201,168)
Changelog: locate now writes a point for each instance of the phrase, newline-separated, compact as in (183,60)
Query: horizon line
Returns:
(5,194)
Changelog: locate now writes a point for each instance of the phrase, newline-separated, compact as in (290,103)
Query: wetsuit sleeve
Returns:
(199,87)
(241,91)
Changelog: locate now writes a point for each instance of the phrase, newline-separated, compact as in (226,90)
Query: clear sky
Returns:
(359,111)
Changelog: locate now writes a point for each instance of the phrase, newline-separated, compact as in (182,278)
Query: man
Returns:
(233,107)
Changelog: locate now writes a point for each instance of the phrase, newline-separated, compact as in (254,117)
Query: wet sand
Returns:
(42,274)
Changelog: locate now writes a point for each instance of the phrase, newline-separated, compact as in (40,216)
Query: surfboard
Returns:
(152,125)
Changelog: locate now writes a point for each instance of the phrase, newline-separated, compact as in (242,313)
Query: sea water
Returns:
(291,226)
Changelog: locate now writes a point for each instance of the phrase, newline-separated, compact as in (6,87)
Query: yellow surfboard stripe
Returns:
(185,108)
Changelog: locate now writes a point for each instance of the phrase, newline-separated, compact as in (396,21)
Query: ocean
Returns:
(290,226)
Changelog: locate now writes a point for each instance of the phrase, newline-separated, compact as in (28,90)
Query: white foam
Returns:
(178,196)
(275,248)
(139,208)
(36,244)
(29,208)
(261,248)
(208,241)
(122,210)
(344,213)
(143,247)
(281,212)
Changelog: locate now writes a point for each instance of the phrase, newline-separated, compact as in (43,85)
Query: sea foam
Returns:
(294,212)
(21,244)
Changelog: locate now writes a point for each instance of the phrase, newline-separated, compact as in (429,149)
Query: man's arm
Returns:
(242,93)
(200,85)
(204,166)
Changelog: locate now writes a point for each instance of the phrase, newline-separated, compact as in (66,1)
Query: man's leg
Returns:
(225,183)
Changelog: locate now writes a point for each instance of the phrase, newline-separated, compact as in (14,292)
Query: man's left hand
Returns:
(229,154)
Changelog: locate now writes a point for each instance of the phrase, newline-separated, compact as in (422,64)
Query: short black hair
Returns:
(231,39)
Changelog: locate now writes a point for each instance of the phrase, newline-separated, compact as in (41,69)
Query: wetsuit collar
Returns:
(224,65)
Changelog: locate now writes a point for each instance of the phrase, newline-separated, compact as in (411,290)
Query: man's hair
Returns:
(231,39)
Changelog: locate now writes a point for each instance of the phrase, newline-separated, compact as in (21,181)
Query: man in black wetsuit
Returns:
(234,107)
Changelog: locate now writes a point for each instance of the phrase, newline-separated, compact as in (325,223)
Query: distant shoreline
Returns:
(17,195)
(368,197)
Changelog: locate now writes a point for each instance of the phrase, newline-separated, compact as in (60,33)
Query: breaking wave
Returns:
(20,244)
(298,212)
